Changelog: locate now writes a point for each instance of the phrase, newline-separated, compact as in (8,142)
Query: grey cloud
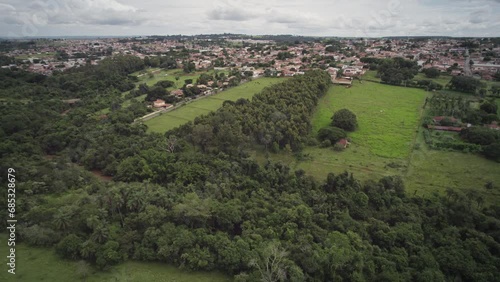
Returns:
(321,17)
(479,17)
(73,12)
(230,13)
(276,16)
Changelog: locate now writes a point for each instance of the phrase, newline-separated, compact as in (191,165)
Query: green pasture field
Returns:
(189,112)
(159,75)
(434,171)
(42,264)
(387,116)
(443,79)
(372,75)
(388,119)
(387,143)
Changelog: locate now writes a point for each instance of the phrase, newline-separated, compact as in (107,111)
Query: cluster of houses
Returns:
(446,55)
(345,75)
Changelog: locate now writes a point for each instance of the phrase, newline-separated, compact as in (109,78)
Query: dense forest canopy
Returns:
(194,197)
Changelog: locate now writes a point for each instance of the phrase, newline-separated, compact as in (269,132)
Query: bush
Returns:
(488,118)
(338,147)
(333,134)
(274,147)
(325,144)
(69,247)
(312,141)
(457,146)
(165,83)
(489,107)
(427,137)
(345,119)
(492,151)
(39,236)
(480,135)
(427,121)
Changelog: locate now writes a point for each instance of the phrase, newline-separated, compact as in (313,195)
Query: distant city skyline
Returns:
(362,18)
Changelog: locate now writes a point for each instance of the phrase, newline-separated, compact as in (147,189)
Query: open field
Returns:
(443,79)
(160,74)
(387,116)
(434,171)
(372,75)
(189,112)
(42,264)
(384,145)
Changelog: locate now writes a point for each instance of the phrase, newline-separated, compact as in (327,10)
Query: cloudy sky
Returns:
(362,18)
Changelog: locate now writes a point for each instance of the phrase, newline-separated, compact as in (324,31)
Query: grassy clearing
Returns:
(153,75)
(443,79)
(433,171)
(192,110)
(387,116)
(371,75)
(42,264)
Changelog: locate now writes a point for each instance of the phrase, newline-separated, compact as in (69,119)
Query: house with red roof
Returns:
(158,103)
(344,142)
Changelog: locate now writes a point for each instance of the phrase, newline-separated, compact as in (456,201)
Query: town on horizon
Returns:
(284,55)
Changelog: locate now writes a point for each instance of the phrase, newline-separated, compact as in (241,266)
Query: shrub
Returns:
(489,118)
(480,135)
(312,141)
(165,83)
(489,107)
(325,144)
(427,137)
(492,151)
(333,134)
(69,247)
(39,236)
(274,147)
(427,121)
(338,147)
(457,146)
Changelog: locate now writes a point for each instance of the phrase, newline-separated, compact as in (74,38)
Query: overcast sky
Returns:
(364,18)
